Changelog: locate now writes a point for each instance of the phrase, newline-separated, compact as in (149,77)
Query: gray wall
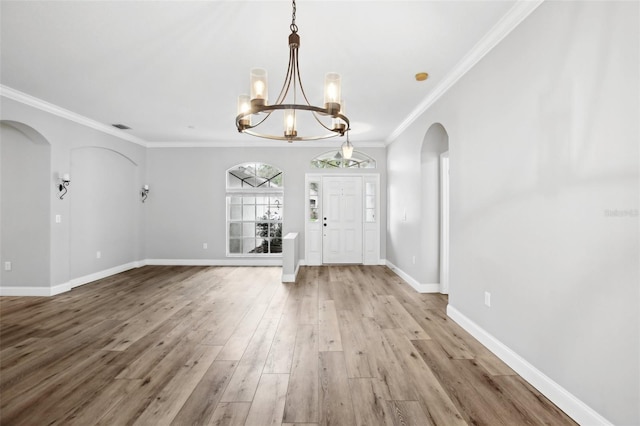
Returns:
(105,209)
(78,208)
(103,212)
(543,136)
(25,226)
(186,205)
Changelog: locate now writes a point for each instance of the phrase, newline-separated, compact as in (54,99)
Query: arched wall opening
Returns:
(434,145)
(26,183)
(105,205)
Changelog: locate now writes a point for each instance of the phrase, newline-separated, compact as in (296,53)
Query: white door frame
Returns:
(371,229)
(444,222)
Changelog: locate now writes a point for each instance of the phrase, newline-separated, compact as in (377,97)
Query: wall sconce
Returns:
(63,183)
(144,193)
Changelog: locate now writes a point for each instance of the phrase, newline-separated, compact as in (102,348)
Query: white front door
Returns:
(342,219)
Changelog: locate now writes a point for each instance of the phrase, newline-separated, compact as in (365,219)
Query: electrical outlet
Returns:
(487,298)
(98,255)
(58,218)
(205,246)
(7,266)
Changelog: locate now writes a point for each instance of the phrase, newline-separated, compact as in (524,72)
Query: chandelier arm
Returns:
(268,109)
(286,87)
(340,116)
(292,73)
(287,81)
(275,107)
(322,124)
(297,69)
(324,112)
(287,138)
(263,119)
(243,128)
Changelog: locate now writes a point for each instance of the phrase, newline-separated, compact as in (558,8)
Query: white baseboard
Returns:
(76,282)
(215,262)
(35,291)
(303,262)
(291,278)
(420,288)
(575,408)
(64,287)
(60,288)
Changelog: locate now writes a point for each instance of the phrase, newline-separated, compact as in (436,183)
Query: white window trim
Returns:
(249,192)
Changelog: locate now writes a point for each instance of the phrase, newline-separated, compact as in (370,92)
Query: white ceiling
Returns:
(172,70)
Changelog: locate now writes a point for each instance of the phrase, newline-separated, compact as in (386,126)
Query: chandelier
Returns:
(292,103)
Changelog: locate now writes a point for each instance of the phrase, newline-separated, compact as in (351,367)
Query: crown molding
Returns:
(42,105)
(518,12)
(37,103)
(255,143)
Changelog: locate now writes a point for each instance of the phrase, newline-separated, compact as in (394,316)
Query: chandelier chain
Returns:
(293,27)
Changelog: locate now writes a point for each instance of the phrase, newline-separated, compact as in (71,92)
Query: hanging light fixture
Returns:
(330,118)
(347,149)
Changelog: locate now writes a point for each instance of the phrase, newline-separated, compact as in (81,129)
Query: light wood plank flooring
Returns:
(161,345)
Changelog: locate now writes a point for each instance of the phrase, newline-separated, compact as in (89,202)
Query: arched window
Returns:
(254,210)
(334,160)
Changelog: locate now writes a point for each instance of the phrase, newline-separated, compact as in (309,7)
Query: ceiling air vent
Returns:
(121,126)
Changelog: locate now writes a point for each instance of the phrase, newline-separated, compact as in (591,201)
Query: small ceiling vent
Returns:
(121,126)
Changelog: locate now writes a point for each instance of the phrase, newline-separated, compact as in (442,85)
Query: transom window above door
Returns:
(335,160)
(255,198)
(253,176)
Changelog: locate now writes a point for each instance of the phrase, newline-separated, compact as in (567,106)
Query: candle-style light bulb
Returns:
(332,92)
(258,87)
(244,107)
(290,124)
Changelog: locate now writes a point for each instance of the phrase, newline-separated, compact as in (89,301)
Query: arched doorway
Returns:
(434,161)
(25,199)
(104,211)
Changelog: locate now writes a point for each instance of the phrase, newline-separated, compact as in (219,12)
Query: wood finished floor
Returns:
(345,345)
